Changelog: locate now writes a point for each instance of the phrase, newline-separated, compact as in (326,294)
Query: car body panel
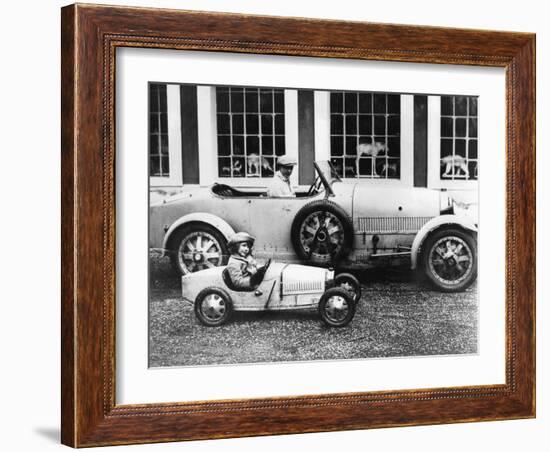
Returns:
(284,287)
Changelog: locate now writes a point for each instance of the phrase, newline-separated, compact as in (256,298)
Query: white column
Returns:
(207,131)
(407,140)
(174,133)
(322,125)
(434,142)
(291,129)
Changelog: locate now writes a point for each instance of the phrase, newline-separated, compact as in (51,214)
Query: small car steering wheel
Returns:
(315,187)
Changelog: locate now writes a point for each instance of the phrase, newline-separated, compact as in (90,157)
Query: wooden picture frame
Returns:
(90,36)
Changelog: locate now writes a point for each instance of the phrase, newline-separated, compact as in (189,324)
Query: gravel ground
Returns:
(397,316)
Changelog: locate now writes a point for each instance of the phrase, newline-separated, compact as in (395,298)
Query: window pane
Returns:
(394,147)
(237,100)
(279,124)
(366,166)
(251,100)
(351,146)
(351,125)
(380,103)
(267,166)
(446,127)
(446,147)
(164,122)
(472,170)
(224,167)
(379,125)
(238,124)
(351,102)
(365,102)
(447,105)
(394,125)
(238,167)
(238,145)
(365,124)
(252,124)
(266,101)
(224,145)
(165,165)
(267,145)
(336,102)
(394,103)
(154,166)
(472,127)
(461,103)
(472,149)
(460,127)
(279,145)
(252,145)
(460,148)
(336,124)
(337,146)
(162,95)
(267,124)
(154,103)
(154,123)
(164,144)
(222,101)
(338,166)
(472,102)
(279,102)
(350,168)
(223,124)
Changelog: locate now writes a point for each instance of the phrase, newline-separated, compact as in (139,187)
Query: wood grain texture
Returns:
(90,36)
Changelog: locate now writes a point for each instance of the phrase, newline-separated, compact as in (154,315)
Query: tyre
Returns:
(449,259)
(197,247)
(213,306)
(349,283)
(322,233)
(336,307)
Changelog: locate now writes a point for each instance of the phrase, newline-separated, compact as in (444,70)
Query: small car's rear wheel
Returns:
(336,307)
(449,259)
(213,306)
(349,283)
(197,247)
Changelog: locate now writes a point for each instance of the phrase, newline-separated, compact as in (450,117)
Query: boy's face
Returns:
(286,171)
(244,249)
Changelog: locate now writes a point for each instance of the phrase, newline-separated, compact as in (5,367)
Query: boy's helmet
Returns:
(240,237)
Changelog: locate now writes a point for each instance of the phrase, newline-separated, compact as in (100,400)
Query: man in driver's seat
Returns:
(280,184)
(242,267)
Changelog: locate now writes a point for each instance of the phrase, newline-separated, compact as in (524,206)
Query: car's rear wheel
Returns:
(449,259)
(349,283)
(197,247)
(322,233)
(213,306)
(336,307)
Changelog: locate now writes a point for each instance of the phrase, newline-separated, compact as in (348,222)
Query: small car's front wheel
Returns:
(213,306)
(449,259)
(197,247)
(350,283)
(336,307)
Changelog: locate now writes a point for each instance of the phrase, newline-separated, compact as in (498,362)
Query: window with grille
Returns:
(365,134)
(159,164)
(459,153)
(251,130)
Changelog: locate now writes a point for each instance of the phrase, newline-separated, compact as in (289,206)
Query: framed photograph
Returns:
(281,225)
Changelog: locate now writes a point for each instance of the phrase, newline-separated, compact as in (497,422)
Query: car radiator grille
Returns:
(374,225)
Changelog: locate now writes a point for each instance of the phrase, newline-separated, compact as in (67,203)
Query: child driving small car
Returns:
(243,269)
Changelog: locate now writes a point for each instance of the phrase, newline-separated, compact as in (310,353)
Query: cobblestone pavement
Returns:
(397,316)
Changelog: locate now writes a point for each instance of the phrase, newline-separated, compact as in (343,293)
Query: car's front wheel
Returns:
(213,306)
(449,259)
(350,283)
(197,247)
(336,307)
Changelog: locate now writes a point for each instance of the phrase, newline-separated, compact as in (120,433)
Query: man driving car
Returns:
(280,185)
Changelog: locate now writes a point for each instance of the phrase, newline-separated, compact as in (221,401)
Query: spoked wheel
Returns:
(197,248)
(213,306)
(350,284)
(336,307)
(450,260)
(322,233)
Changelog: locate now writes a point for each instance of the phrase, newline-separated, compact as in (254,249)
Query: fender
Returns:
(435,223)
(199,217)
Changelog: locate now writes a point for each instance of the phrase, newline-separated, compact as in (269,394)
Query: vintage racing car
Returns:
(284,287)
(334,224)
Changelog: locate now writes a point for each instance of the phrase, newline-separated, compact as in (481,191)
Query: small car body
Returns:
(335,223)
(284,287)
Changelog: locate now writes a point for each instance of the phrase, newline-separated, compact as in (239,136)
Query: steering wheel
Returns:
(315,187)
